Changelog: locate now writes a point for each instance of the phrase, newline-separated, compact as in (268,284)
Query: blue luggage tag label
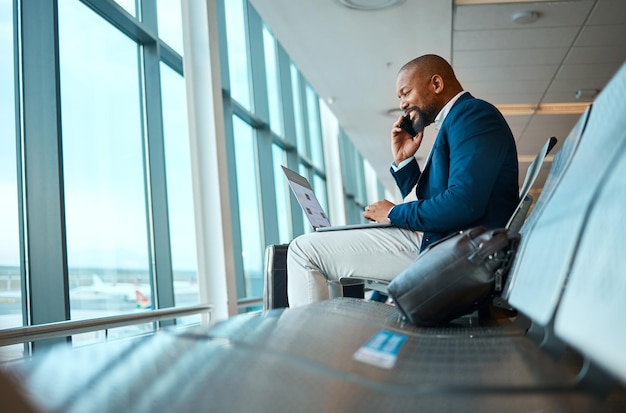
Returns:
(381,350)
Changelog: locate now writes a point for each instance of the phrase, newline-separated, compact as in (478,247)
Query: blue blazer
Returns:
(470,177)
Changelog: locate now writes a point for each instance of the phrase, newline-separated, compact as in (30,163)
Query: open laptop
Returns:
(313,210)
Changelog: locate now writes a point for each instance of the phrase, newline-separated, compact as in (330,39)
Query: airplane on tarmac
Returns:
(126,292)
(120,291)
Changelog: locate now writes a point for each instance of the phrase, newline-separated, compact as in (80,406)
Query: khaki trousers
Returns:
(314,259)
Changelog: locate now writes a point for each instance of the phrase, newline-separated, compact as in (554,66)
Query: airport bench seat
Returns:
(271,363)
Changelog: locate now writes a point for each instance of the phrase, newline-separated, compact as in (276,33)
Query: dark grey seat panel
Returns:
(590,317)
(551,245)
(560,163)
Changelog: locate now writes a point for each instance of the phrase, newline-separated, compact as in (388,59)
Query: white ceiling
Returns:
(352,56)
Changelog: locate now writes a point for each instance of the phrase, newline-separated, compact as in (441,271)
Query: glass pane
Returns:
(128,5)
(170,21)
(315,134)
(249,209)
(179,188)
(273,83)
(238,66)
(283,210)
(10,275)
(107,242)
(297,111)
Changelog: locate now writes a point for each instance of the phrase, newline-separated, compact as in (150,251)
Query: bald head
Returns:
(430,63)
(426,66)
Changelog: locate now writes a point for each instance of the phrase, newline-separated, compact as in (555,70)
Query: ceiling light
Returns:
(543,109)
(526,109)
(369,4)
(562,108)
(525,16)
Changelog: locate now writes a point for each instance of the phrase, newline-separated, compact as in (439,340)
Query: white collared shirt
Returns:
(445,110)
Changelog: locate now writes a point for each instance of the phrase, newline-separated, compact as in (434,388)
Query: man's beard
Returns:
(423,119)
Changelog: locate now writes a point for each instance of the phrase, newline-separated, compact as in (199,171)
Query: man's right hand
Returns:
(403,145)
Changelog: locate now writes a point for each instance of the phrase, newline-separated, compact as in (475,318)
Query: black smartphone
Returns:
(407,125)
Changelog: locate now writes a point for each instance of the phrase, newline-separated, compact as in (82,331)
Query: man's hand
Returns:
(403,145)
(378,211)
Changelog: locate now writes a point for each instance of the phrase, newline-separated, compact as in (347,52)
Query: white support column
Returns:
(208,158)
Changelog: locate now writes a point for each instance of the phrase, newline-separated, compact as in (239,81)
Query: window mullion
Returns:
(158,221)
(45,263)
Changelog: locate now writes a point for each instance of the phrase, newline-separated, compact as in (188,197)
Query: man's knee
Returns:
(300,248)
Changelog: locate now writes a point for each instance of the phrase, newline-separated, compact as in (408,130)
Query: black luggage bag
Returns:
(275,283)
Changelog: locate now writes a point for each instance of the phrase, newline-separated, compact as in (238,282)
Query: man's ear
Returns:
(437,83)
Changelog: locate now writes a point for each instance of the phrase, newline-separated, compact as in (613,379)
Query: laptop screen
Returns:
(306,198)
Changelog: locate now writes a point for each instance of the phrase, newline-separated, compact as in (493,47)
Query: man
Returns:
(469,179)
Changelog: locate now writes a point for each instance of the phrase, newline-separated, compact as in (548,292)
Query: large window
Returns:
(96,182)
(10,278)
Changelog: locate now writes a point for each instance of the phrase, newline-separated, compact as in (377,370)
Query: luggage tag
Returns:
(381,350)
